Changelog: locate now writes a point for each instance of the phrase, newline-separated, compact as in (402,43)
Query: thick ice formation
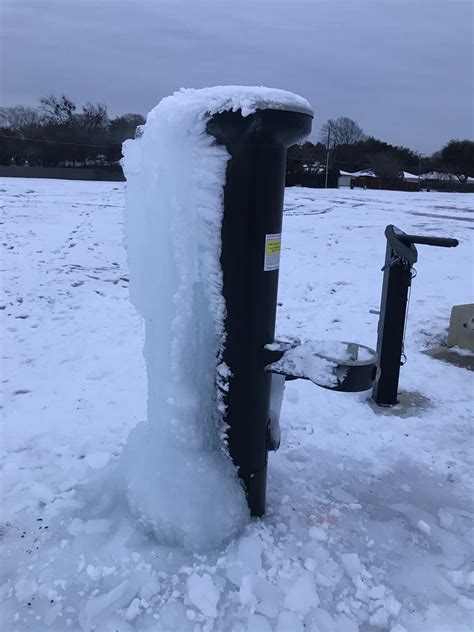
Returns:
(180,480)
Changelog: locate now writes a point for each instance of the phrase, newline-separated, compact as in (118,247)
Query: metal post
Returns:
(327,159)
(400,256)
(251,242)
(396,282)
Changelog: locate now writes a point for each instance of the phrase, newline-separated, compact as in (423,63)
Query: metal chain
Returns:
(403,357)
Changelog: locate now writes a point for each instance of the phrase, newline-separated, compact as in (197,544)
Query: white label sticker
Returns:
(272,252)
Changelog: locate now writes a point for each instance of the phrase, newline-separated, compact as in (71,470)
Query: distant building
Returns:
(437,175)
(410,177)
(347,179)
(441,181)
(367,179)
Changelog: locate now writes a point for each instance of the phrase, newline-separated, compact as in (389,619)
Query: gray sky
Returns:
(401,68)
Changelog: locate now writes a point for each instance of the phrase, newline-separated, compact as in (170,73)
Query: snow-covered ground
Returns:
(369,511)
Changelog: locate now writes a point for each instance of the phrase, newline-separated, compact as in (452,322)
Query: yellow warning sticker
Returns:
(272,251)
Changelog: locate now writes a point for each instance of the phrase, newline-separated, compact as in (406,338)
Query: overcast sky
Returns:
(401,68)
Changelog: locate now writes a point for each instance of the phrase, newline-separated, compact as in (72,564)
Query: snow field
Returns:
(369,512)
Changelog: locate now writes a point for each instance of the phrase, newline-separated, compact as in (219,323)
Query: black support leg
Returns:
(396,283)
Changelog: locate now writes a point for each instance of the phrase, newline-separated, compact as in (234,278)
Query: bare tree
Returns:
(341,131)
(94,116)
(18,118)
(58,110)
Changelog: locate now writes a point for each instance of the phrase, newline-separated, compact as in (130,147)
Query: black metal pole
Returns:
(396,283)
(251,234)
(400,256)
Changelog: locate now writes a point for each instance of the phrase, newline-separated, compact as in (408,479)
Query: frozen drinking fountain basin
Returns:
(332,364)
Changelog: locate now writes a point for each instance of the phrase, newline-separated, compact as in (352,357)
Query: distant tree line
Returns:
(345,147)
(59,133)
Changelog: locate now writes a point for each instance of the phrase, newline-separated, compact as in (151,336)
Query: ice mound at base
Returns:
(180,480)
(185,497)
